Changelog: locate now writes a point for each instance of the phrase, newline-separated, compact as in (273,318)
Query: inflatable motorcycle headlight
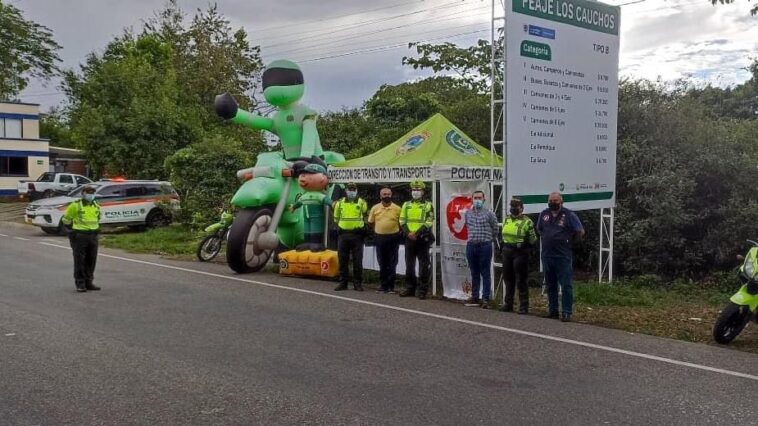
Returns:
(750,267)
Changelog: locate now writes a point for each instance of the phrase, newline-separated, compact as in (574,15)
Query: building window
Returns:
(11,128)
(14,166)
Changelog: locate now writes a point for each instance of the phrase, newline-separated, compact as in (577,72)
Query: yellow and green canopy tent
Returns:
(434,150)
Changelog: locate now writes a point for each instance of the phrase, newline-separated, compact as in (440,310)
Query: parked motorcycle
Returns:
(743,304)
(211,245)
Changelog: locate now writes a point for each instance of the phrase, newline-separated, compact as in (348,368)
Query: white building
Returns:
(23,155)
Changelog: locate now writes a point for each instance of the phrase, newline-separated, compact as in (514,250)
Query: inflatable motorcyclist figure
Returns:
(314,181)
(262,225)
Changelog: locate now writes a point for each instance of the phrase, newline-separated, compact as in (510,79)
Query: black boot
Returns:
(407,293)
(91,287)
(358,287)
(81,286)
(342,286)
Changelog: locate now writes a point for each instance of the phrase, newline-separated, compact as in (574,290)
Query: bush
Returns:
(204,175)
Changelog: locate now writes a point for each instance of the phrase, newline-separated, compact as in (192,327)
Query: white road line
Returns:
(3,235)
(444,317)
(20,238)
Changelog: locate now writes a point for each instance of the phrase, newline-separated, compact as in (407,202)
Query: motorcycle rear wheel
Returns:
(730,323)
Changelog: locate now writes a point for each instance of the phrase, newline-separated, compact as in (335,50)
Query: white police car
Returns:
(133,203)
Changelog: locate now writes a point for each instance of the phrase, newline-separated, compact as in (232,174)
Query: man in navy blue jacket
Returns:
(558,228)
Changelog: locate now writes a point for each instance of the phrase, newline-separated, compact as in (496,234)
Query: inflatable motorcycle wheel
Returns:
(730,323)
(242,255)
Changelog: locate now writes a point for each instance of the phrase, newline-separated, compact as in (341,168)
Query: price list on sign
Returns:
(562,102)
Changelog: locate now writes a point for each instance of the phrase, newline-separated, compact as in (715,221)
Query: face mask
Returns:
(386,200)
(515,211)
(478,204)
(416,194)
(352,194)
(89,197)
(554,206)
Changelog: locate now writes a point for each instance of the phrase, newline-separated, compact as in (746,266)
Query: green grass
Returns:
(174,240)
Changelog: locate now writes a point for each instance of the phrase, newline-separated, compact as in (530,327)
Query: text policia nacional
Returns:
(563,9)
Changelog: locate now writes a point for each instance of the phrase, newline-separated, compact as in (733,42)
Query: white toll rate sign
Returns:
(562,102)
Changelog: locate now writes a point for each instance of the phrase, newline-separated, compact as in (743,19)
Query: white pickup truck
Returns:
(50,185)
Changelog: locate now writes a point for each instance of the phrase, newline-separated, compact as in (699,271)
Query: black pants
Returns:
(516,267)
(84,248)
(350,244)
(417,250)
(386,254)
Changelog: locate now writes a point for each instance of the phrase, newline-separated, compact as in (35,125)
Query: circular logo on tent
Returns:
(413,143)
(460,143)
(456,220)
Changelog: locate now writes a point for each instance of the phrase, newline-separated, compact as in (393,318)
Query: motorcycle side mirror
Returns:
(740,257)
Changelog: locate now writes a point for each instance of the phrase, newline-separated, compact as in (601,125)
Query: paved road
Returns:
(170,342)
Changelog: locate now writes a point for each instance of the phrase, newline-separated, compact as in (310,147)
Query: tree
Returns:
(202,175)
(150,94)
(753,11)
(471,64)
(210,56)
(401,107)
(740,101)
(126,108)
(27,49)
(53,125)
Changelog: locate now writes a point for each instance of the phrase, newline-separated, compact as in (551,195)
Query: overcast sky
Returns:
(348,48)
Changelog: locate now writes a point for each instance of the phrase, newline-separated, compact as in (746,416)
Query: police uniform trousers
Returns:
(350,245)
(84,246)
(516,271)
(417,250)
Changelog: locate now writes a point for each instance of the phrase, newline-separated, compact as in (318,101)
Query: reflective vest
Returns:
(416,214)
(348,215)
(84,217)
(518,230)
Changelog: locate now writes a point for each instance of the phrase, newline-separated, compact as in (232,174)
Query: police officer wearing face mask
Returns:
(518,238)
(348,215)
(83,219)
(417,220)
(558,228)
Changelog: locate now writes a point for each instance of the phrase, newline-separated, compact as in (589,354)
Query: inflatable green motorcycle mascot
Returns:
(262,224)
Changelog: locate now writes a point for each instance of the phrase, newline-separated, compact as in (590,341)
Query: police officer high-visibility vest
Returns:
(84,217)
(518,230)
(416,214)
(348,215)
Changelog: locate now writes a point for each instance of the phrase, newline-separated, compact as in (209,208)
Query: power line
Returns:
(360,35)
(362,24)
(401,39)
(390,47)
(343,16)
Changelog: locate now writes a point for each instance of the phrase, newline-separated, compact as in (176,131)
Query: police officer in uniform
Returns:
(348,215)
(83,219)
(417,220)
(518,238)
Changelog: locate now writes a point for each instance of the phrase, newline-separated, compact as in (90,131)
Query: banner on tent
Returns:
(455,200)
(490,174)
(409,173)
(380,174)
